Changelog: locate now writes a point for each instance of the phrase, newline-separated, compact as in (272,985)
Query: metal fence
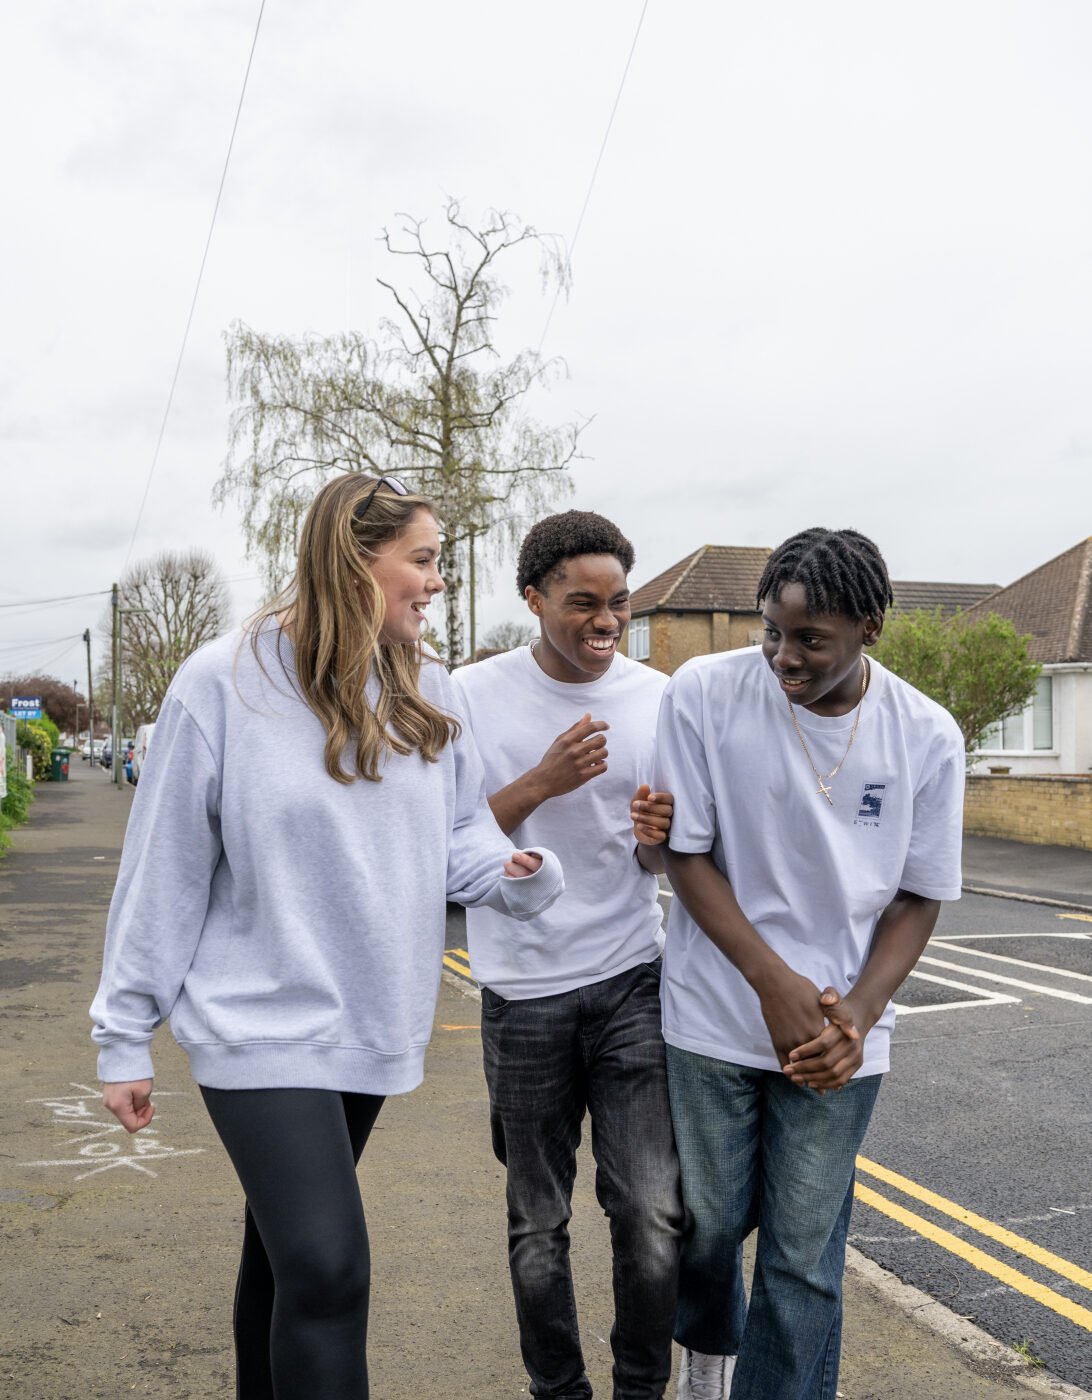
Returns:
(18,755)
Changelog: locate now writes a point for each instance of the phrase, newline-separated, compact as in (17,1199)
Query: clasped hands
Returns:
(819,1059)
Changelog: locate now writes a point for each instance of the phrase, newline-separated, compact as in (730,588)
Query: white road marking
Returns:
(983,996)
(1010,981)
(1014,962)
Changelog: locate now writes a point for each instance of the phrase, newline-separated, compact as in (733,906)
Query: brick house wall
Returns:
(674,637)
(1042,810)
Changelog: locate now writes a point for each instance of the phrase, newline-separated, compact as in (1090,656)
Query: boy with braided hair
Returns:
(817,828)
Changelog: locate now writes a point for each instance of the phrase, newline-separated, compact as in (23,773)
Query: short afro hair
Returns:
(840,571)
(559,537)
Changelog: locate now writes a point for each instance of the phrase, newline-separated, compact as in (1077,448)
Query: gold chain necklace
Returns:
(823,790)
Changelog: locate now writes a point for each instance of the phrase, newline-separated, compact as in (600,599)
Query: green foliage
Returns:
(977,669)
(50,728)
(13,808)
(38,743)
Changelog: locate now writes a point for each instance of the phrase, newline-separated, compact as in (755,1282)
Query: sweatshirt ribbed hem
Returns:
(284,1065)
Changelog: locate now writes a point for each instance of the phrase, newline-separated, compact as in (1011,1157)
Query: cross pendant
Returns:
(823,791)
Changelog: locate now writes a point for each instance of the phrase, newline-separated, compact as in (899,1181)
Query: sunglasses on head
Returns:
(398,487)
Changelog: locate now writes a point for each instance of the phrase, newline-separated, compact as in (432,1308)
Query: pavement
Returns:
(120,1254)
(1045,874)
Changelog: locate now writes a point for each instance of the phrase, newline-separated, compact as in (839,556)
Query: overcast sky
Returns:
(835,268)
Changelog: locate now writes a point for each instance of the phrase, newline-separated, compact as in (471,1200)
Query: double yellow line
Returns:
(1049,1298)
(457,960)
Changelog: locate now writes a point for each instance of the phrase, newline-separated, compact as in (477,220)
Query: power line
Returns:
(42,666)
(595,171)
(61,598)
(196,290)
(36,646)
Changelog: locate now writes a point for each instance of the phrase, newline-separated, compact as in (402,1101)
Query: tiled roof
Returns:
(1053,603)
(724,578)
(948,597)
(715,578)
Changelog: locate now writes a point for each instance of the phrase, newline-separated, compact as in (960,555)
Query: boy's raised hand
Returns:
(575,757)
(651,814)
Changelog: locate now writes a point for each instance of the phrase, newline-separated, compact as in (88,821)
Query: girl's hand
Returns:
(521,864)
(130,1103)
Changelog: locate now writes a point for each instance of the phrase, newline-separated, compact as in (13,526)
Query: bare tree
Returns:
(173,603)
(506,636)
(430,400)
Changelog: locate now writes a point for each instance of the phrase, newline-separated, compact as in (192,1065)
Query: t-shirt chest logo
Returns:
(870,807)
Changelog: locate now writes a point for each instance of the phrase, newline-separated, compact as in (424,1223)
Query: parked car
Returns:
(124,746)
(92,749)
(140,751)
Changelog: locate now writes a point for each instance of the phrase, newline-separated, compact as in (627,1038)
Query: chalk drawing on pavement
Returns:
(99,1142)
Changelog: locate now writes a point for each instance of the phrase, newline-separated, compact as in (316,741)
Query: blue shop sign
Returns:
(26,706)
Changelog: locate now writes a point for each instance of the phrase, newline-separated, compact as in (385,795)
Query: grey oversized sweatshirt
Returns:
(291,926)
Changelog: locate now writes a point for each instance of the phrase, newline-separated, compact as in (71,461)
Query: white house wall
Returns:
(1072,721)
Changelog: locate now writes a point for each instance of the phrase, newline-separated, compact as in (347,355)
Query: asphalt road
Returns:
(989,1106)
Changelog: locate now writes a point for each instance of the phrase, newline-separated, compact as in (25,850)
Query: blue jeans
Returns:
(757,1151)
(548,1060)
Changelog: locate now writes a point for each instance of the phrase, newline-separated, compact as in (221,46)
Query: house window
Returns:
(638,639)
(1028,731)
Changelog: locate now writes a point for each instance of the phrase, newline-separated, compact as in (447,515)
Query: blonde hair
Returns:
(334,611)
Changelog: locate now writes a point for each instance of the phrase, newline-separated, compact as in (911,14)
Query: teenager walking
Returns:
(307,806)
(570,1007)
(817,828)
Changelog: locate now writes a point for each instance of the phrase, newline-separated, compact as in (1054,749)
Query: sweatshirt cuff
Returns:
(125,1061)
(528,895)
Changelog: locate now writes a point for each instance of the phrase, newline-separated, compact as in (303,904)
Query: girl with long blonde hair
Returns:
(310,804)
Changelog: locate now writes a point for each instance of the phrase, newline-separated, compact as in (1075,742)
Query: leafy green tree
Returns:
(430,399)
(977,668)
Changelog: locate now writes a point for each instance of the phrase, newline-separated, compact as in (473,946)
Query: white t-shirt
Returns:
(608,919)
(811,878)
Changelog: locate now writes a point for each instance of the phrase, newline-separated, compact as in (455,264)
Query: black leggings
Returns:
(301,1305)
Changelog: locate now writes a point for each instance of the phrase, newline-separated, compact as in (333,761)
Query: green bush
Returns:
(37,742)
(13,808)
(50,728)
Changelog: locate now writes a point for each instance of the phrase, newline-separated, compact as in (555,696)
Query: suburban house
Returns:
(706,603)
(1031,782)
(1053,604)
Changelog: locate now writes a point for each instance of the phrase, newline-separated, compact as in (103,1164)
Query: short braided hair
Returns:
(840,571)
(559,537)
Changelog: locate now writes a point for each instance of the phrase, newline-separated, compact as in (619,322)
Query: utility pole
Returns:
(115,639)
(90,696)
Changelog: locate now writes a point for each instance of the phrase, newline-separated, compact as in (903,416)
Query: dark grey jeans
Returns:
(548,1060)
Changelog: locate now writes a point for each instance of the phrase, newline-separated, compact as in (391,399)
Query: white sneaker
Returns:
(704,1377)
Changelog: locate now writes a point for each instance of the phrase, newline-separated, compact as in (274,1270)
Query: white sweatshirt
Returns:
(291,926)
